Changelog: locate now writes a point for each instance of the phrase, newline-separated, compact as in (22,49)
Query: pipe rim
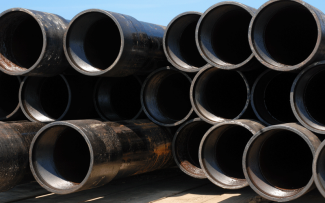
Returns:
(319,185)
(35,65)
(68,55)
(198,41)
(279,66)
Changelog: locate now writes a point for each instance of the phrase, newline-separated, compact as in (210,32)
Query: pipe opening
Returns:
(223,34)
(166,96)
(285,33)
(21,40)
(61,157)
(9,88)
(93,42)
(220,94)
(118,98)
(45,99)
(320,170)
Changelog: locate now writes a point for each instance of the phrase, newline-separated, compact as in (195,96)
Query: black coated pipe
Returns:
(307,100)
(287,35)
(186,144)
(278,162)
(271,97)
(15,140)
(31,43)
(70,156)
(60,97)
(118,98)
(319,168)
(221,36)
(221,151)
(104,43)
(179,43)
(165,97)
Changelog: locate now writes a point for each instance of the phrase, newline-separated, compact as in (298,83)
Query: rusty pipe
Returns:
(319,168)
(70,156)
(31,43)
(104,43)
(278,162)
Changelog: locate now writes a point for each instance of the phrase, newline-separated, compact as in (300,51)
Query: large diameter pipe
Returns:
(70,156)
(104,43)
(15,140)
(287,35)
(221,151)
(271,97)
(221,36)
(31,43)
(179,43)
(59,97)
(319,168)
(165,97)
(278,162)
(307,100)
(186,144)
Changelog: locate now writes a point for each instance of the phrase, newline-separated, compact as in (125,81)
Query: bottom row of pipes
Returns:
(280,162)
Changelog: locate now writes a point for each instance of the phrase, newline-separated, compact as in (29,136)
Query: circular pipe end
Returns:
(319,168)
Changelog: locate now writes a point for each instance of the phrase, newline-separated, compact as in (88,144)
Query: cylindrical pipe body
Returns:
(300,42)
(31,43)
(60,97)
(319,168)
(15,140)
(186,144)
(271,97)
(165,97)
(179,43)
(104,43)
(278,160)
(221,151)
(70,156)
(221,36)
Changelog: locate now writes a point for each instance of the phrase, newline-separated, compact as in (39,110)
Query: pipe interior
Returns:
(93,42)
(220,94)
(320,168)
(46,99)
(166,96)
(61,157)
(119,98)
(285,33)
(180,42)
(9,88)
(21,40)
(223,34)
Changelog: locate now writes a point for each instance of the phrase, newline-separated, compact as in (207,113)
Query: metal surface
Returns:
(283,174)
(186,144)
(165,97)
(31,43)
(104,43)
(287,35)
(118,98)
(271,97)
(319,168)
(70,156)
(60,97)
(221,151)
(15,139)
(221,36)
(307,100)
(179,43)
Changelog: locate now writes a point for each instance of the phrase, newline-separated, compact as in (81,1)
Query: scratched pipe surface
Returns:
(31,43)
(70,156)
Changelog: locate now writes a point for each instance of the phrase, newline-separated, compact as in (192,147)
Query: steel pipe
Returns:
(186,144)
(31,43)
(278,162)
(70,156)
(221,36)
(15,139)
(104,43)
(271,97)
(319,168)
(287,35)
(165,97)
(179,43)
(221,151)
(55,98)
